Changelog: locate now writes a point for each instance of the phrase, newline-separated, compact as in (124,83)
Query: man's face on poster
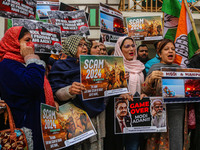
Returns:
(121,110)
(158,107)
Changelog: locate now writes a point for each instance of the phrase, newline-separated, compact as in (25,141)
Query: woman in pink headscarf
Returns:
(126,48)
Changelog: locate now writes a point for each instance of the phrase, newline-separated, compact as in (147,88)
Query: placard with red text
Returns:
(181,85)
(139,116)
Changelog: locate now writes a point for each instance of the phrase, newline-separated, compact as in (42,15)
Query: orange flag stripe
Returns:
(182,28)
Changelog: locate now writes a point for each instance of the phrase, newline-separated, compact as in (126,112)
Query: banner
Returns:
(180,85)
(18,9)
(44,6)
(102,76)
(111,25)
(139,116)
(70,22)
(46,36)
(145,28)
(64,128)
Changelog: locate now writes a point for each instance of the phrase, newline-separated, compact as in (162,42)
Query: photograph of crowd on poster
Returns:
(145,28)
(111,24)
(64,128)
(44,6)
(66,7)
(139,116)
(181,85)
(18,9)
(70,22)
(46,36)
(102,76)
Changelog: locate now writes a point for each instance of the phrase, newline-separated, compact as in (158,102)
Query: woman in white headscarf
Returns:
(126,48)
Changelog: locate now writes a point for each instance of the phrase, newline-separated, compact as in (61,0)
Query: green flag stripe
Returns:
(192,44)
(171,7)
(171,34)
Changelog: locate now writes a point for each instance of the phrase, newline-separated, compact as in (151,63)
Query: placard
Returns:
(46,36)
(180,85)
(18,9)
(102,76)
(111,25)
(64,128)
(145,28)
(44,6)
(139,116)
(70,22)
(66,7)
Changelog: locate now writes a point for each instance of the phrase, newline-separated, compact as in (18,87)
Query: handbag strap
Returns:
(10,118)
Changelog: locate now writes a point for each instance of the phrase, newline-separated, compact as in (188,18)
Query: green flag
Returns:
(171,9)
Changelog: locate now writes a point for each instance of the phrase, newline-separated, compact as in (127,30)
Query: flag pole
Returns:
(193,24)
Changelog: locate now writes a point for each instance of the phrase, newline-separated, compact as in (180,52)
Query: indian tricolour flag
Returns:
(185,41)
(171,9)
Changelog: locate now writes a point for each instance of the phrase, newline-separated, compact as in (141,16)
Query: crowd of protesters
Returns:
(29,79)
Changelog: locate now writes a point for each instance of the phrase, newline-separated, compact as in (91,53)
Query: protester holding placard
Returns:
(24,86)
(126,48)
(65,80)
(174,138)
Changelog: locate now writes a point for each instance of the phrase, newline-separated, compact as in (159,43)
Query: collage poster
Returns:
(18,9)
(139,116)
(111,25)
(44,6)
(145,28)
(64,128)
(45,36)
(180,85)
(70,22)
(102,76)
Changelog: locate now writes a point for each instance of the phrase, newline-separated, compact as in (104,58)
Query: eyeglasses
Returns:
(82,44)
(128,45)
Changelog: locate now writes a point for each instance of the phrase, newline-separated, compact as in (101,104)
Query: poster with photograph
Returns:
(44,6)
(64,128)
(180,85)
(65,7)
(70,22)
(102,76)
(111,25)
(46,36)
(139,116)
(18,9)
(145,28)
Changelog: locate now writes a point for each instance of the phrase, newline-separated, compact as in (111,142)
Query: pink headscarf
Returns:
(134,67)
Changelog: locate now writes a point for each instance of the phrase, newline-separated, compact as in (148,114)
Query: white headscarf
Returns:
(134,67)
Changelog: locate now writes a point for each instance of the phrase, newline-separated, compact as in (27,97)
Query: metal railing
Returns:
(152,5)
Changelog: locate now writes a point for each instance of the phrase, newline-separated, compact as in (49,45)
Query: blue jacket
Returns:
(22,89)
(151,62)
(64,73)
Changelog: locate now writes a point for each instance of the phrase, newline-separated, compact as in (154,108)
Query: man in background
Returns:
(142,53)
(154,60)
